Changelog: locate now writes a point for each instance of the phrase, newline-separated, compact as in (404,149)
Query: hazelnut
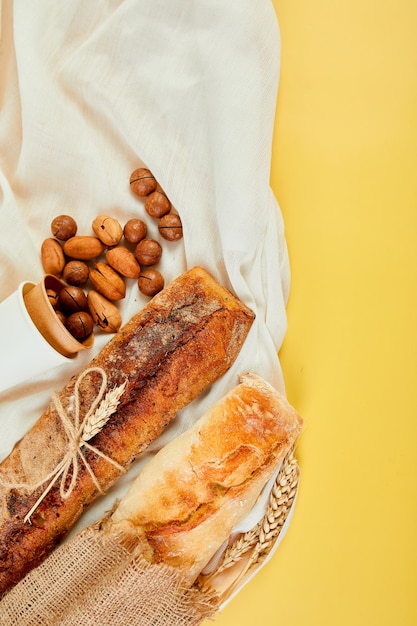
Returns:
(150,282)
(63,227)
(107,229)
(72,299)
(157,203)
(80,325)
(76,273)
(135,230)
(142,182)
(170,227)
(53,297)
(148,252)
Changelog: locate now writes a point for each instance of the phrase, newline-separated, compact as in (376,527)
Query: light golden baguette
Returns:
(179,344)
(187,499)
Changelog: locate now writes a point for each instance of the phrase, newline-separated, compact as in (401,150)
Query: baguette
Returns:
(179,344)
(187,499)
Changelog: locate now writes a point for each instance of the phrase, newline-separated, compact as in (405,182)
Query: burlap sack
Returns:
(94,579)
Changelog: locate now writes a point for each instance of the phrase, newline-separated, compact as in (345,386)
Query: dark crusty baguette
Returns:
(187,499)
(178,345)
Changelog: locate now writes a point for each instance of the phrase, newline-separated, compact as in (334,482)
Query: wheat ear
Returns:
(104,411)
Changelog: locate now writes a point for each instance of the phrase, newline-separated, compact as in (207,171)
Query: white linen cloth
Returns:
(89,91)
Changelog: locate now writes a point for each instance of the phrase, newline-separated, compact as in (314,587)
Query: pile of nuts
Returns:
(77,259)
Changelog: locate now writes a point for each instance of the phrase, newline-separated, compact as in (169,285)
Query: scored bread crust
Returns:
(187,499)
(183,340)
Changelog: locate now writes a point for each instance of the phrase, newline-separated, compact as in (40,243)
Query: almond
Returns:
(107,281)
(52,257)
(105,314)
(123,261)
(84,247)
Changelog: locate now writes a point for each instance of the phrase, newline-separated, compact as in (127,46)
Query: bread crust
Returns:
(179,344)
(187,499)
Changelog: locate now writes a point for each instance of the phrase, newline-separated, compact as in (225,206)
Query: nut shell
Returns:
(170,227)
(157,203)
(148,252)
(142,182)
(135,230)
(72,299)
(107,281)
(80,325)
(108,229)
(84,247)
(61,316)
(150,282)
(105,314)
(63,227)
(52,257)
(123,261)
(76,273)
(53,297)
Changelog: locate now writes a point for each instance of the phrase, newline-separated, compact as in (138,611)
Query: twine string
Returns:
(78,434)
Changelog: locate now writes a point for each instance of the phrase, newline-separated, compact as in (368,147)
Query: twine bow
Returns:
(79,433)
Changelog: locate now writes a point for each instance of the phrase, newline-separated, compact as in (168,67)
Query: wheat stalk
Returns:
(234,553)
(101,415)
(261,538)
(280,502)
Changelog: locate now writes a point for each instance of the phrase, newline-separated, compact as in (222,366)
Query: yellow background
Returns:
(344,172)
